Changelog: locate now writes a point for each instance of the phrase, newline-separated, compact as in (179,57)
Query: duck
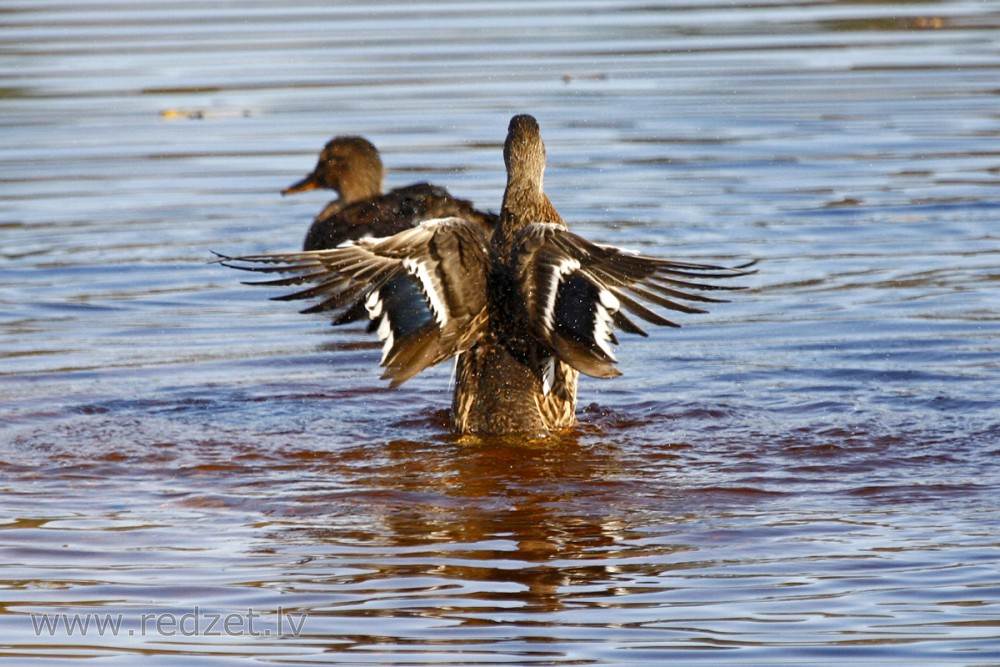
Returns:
(524,308)
(352,167)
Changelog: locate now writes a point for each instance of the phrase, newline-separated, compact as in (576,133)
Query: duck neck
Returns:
(360,189)
(524,202)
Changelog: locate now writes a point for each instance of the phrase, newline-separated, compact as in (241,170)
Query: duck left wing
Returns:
(574,292)
(424,288)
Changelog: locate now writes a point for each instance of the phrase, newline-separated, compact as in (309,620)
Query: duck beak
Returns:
(308,183)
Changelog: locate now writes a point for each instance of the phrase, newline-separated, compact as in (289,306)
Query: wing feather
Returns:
(574,292)
(424,288)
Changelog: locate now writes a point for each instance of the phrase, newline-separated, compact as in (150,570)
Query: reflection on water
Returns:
(804,475)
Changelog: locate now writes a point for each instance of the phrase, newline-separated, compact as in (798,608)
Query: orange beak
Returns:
(308,183)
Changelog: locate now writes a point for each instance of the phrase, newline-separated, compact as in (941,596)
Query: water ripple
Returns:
(802,476)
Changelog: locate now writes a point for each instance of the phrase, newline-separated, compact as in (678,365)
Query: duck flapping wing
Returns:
(426,291)
(424,287)
(574,292)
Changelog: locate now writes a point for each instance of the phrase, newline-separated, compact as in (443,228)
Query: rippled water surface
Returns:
(807,475)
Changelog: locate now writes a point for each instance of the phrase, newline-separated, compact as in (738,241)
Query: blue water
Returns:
(806,475)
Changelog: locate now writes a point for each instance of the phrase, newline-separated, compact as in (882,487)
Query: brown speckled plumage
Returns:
(499,388)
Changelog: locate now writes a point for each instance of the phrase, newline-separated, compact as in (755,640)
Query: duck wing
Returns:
(574,292)
(424,288)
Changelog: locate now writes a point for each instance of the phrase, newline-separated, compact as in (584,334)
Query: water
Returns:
(807,475)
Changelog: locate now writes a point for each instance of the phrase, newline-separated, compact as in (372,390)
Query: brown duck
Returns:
(351,166)
(525,307)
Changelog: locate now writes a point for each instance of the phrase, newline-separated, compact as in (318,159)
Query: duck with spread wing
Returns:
(525,306)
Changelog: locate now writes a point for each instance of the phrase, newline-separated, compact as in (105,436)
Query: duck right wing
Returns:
(574,292)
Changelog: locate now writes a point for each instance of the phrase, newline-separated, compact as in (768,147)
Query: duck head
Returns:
(351,166)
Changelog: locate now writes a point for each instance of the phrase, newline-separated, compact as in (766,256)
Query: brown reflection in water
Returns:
(525,509)
(887,24)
